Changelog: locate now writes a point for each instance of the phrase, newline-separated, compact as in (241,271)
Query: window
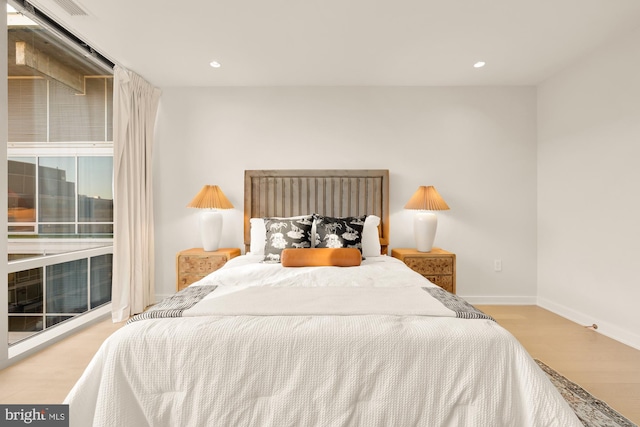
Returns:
(63,196)
(60,169)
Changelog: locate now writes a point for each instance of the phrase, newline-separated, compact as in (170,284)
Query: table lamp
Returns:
(426,198)
(210,198)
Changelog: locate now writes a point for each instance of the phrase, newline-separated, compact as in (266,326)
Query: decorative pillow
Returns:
(371,237)
(259,233)
(339,232)
(321,257)
(282,233)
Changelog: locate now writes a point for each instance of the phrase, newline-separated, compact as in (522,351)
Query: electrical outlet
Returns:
(497,265)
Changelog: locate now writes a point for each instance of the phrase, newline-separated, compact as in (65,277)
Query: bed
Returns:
(260,343)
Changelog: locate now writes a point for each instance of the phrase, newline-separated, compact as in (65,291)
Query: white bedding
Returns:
(319,301)
(302,367)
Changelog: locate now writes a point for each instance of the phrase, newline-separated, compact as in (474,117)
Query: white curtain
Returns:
(135,105)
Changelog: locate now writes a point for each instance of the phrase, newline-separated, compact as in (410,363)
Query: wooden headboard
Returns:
(338,193)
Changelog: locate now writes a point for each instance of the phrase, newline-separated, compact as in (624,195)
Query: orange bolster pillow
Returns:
(319,257)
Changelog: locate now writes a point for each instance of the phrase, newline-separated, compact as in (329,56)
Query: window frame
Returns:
(49,149)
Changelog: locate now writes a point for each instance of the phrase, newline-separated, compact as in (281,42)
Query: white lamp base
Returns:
(424,229)
(211,230)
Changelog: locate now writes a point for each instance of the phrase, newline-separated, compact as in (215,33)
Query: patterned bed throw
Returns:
(460,307)
(303,301)
(175,305)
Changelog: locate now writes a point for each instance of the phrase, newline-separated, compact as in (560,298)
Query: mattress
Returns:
(265,345)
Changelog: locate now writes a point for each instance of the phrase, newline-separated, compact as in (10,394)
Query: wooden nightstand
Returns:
(439,266)
(193,264)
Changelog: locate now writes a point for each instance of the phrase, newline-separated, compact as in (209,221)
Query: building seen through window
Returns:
(60,174)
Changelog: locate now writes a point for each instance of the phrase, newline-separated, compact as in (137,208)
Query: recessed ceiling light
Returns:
(215,64)
(479,64)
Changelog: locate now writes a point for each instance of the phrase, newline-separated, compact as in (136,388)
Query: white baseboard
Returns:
(500,300)
(607,329)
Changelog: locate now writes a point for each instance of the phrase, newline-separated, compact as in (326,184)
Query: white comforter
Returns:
(311,369)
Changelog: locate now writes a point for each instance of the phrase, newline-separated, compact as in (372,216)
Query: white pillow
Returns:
(370,237)
(258,236)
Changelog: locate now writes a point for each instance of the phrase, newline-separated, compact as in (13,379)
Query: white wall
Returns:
(476,145)
(589,190)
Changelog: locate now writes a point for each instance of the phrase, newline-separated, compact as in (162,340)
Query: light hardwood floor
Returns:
(47,377)
(606,368)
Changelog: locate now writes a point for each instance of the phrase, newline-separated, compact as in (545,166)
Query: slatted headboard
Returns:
(290,192)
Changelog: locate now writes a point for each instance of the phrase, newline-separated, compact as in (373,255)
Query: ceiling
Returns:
(346,42)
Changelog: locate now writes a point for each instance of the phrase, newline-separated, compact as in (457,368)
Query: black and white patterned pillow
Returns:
(286,233)
(339,232)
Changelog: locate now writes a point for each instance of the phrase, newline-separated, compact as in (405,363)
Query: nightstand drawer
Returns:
(430,266)
(199,265)
(437,266)
(194,264)
(185,279)
(445,282)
